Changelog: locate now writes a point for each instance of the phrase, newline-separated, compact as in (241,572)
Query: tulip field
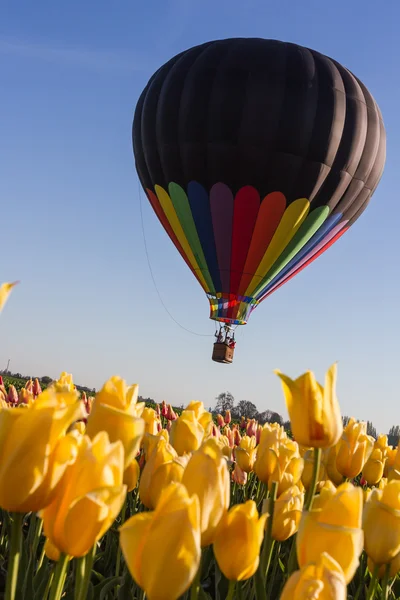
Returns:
(106,498)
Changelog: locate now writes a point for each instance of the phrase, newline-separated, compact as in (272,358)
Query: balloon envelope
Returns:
(256,155)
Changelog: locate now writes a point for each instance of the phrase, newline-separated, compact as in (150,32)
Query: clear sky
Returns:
(70,219)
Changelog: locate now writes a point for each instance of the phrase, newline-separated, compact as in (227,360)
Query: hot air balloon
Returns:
(256,156)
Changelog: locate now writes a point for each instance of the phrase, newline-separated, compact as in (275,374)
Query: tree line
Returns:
(244,408)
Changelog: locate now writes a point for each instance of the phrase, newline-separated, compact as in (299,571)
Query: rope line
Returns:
(153,278)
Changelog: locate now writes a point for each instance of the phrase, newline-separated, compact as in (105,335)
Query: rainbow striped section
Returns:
(241,248)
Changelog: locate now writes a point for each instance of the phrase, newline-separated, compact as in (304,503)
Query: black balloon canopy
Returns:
(256,155)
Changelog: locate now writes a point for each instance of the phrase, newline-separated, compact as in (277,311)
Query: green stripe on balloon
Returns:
(312,223)
(184,214)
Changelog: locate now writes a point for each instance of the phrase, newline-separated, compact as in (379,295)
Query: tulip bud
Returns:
(319,580)
(1,380)
(236,436)
(90,496)
(36,389)
(251,428)
(164,408)
(242,424)
(228,417)
(334,528)
(158,411)
(391,454)
(170,413)
(215,431)
(161,468)
(238,541)
(225,446)
(354,449)
(5,290)
(287,513)
(131,475)
(239,476)
(12,396)
(24,397)
(220,420)
(313,410)
(116,411)
(381,523)
(258,433)
(207,476)
(373,469)
(162,548)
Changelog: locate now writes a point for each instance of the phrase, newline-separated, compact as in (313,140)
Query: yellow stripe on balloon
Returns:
(291,221)
(170,213)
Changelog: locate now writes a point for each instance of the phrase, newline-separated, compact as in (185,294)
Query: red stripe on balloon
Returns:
(310,260)
(269,215)
(155,203)
(245,212)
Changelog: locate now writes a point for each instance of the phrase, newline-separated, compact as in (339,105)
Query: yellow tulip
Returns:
(326,492)
(116,411)
(313,410)
(272,435)
(281,464)
(89,498)
(334,528)
(391,459)
(330,465)
(151,420)
(354,449)
(225,446)
(34,451)
(202,415)
(320,580)
(162,548)
(245,458)
(149,441)
(131,475)
(5,291)
(207,476)
(238,541)
(186,433)
(394,567)
(381,523)
(161,468)
(373,469)
(79,427)
(287,513)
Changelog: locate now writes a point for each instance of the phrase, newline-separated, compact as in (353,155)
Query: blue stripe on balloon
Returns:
(319,235)
(200,206)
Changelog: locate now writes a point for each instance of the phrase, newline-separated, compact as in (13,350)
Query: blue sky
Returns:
(70,219)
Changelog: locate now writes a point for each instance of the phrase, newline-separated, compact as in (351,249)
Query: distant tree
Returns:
(225,401)
(245,408)
(276,418)
(371,430)
(46,379)
(345,420)
(394,435)
(264,417)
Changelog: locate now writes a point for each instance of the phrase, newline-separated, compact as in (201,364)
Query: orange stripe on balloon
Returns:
(269,216)
(155,203)
(310,260)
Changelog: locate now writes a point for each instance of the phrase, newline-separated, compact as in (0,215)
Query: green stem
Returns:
(362,571)
(231,590)
(268,541)
(119,551)
(59,577)
(194,590)
(261,594)
(85,574)
(385,583)
(314,479)
(372,584)
(272,578)
(292,562)
(14,556)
